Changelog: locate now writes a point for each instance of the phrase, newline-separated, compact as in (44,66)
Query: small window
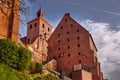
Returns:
(68,47)
(59,55)
(65,20)
(77,30)
(68,39)
(61,27)
(28,40)
(35,24)
(78,38)
(71,25)
(31,26)
(43,25)
(69,55)
(67,32)
(79,53)
(78,45)
(79,61)
(59,48)
(58,41)
(58,34)
(48,29)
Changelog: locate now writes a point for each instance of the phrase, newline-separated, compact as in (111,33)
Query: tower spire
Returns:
(40,13)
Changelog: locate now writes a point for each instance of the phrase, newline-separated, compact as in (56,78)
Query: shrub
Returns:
(14,56)
(38,67)
(35,67)
(45,77)
(8,52)
(7,73)
(24,58)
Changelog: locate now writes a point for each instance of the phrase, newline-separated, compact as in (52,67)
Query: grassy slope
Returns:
(7,73)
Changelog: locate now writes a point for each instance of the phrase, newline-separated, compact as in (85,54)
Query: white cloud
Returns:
(108,44)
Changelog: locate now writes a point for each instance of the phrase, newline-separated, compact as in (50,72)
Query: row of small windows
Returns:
(69,47)
(35,25)
(67,32)
(69,55)
(70,25)
(69,39)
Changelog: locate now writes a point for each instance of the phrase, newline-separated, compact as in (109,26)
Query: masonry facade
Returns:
(69,50)
(9,19)
(74,50)
(38,32)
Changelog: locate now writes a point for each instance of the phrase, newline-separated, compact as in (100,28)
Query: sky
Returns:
(100,17)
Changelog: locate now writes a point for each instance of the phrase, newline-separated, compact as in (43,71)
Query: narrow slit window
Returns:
(78,45)
(31,26)
(43,25)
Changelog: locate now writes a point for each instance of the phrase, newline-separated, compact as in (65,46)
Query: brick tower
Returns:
(38,32)
(9,19)
(74,50)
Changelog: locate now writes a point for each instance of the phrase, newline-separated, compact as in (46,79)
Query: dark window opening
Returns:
(43,25)
(78,38)
(59,55)
(48,29)
(30,26)
(78,45)
(61,27)
(58,34)
(65,19)
(69,55)
(68,39)
(71,25)
(59,48)
(79,61)
(79,53)
(77,30)
(67,32)
(68,47)
(28,40)
(58,41)
(35,24)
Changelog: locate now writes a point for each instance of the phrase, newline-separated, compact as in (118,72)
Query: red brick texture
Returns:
(38,32)
(71,44)
(5,21)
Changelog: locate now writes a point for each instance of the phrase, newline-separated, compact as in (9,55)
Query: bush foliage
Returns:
(7,73)
(35,67)
(14,56)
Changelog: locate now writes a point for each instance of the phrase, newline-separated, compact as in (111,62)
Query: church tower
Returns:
(38,32)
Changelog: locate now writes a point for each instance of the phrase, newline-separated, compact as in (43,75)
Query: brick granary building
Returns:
(70,45)
(73,48)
